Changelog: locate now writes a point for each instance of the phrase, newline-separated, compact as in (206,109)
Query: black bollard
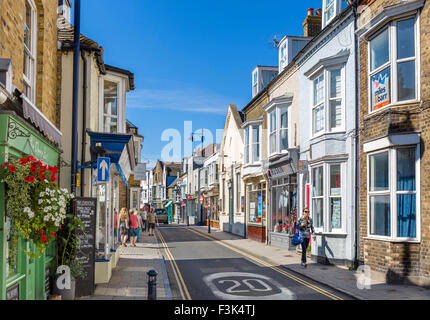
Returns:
(152,284)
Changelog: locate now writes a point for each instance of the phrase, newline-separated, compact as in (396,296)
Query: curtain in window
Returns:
(406,203)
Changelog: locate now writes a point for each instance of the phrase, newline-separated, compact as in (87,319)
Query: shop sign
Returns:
(201,199)
(381,89)
(12,293)
(303,166)
(282,171)
(140,172)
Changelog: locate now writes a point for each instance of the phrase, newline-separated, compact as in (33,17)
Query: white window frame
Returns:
(251,145)
(121,102)
(392,192)
(393,61)
(32,53)
(326,227)
(277,110)
(326,73)
(255,76)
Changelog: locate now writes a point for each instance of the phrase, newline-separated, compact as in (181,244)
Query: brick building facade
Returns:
(394,116)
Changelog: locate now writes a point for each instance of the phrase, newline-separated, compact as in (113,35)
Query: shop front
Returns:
(22,277)
(283,200)
(117,148)
(256,208)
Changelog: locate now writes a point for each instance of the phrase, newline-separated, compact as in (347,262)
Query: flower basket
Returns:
(36,205)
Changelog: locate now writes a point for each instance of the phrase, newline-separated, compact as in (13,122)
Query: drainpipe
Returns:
(77,44)
(357,146)
(84,121)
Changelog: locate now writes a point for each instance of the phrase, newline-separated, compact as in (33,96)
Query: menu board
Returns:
(85,209)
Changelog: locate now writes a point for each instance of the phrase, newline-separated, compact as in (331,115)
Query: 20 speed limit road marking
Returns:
(264,263)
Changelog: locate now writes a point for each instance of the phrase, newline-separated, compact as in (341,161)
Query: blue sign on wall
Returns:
(103,165)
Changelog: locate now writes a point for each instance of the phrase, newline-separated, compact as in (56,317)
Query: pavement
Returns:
(338,278)
(129,279)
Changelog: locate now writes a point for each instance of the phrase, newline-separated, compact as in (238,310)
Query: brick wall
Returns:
(12,47)
(400,261)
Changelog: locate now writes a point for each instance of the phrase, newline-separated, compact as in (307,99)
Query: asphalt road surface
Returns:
(201,268)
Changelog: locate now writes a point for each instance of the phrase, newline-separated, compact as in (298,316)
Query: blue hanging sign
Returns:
(103,165)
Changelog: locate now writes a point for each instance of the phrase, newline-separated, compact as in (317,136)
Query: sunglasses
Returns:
(306,211)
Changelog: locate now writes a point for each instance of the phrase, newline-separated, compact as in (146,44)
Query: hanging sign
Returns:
(201,199)
(103,165)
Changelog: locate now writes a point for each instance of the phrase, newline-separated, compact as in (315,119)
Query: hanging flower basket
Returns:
(36,205)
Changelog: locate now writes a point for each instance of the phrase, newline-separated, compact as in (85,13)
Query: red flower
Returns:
(53,234)
(31,179)
(41,232)
(12,169)
(43,238)
(60,226)
(23,161)
(44,168)
(54,184)
(33,170)
(31,158)
(5,164)
(54,178)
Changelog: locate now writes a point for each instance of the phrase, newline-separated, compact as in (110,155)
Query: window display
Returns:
(257,202)
(284,213)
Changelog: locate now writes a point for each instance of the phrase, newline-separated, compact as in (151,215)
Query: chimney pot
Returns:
(318,12)
(310,11)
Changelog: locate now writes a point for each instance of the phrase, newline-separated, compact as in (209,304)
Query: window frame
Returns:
(393,192)
(32,53)
(277,111)
(326,227)
(250,145)
(326,73)
(393,62)
(120,102)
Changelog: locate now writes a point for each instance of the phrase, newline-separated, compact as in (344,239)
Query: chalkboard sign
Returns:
(48,282)
(12,293)
(85,209)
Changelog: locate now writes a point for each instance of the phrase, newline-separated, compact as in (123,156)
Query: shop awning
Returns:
(119,148)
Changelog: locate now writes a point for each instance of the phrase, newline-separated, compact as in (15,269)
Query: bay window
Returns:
(278,126)
(327,105)
(393,65)
(392,193)
(30,34)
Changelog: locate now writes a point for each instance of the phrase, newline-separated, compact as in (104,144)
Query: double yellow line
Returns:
(277,269)
(177,273)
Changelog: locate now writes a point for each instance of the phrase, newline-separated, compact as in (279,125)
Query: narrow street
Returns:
(200,268)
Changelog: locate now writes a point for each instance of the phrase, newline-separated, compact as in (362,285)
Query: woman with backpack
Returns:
(306,225)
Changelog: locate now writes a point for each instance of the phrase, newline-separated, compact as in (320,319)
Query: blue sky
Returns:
(191,59)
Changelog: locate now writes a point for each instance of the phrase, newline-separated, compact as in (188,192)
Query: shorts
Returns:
(133,232)
(152,226)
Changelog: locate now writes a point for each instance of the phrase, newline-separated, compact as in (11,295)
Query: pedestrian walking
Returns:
(123,226)
(144,214)
(139,224)
(151,220)
(306,226)
(133,228)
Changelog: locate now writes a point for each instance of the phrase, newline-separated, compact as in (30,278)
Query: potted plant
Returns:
(67,249)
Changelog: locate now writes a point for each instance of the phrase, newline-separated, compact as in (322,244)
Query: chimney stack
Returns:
(312,24)
(319,12)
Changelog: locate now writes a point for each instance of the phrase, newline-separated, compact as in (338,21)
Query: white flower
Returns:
(27,209)
(42,194)
(31,214)
(46,218)
(40,201)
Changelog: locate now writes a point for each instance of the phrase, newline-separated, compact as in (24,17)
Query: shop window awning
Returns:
(118,147)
